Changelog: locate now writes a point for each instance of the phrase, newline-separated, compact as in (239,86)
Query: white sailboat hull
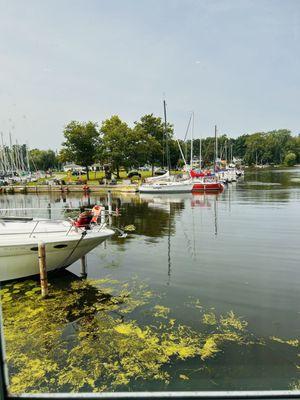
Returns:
(168,187)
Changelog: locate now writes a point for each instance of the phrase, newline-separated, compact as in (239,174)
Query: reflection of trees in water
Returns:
(282,177)
(259,194)
(151,220)
(271,185)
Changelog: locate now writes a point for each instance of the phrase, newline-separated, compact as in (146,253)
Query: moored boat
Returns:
(65,243)
(205,181)
(185,186)
(207,186)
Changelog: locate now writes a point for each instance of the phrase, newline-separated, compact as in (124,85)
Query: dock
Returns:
(120,188)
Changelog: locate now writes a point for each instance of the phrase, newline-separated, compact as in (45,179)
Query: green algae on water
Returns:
(86,336)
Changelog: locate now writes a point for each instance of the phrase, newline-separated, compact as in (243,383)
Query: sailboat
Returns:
(205,181)
(167,183)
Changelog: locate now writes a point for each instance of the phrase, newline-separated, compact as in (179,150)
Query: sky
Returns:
(234,63)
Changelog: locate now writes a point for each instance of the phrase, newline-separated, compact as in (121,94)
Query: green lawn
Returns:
(94,177)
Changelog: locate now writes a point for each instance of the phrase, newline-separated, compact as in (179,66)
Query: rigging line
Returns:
(166,137)
(77,244)
(188,127)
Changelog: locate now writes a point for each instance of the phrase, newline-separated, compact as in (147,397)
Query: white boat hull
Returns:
(167,188)
(19,261)
(19,254)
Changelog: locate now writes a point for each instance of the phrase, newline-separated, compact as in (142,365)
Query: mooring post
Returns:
(43,269)
(109,202)
(83,267)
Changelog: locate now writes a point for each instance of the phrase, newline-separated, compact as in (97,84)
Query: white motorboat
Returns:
(65,244)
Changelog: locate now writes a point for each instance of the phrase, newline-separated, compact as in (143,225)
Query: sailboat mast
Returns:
(11,154)
(192,137)
(200,152)
(4,154)
(27,158)
(216,147)
(166,137)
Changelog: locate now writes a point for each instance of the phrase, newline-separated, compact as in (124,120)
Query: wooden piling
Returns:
(43,269)
(83,267)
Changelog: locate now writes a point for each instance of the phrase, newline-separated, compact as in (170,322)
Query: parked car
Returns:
(144,169)
(133,173)
(160,172)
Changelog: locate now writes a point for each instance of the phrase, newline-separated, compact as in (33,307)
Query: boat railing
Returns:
(103,221)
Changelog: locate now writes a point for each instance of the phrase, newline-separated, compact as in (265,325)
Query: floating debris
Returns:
(129,228)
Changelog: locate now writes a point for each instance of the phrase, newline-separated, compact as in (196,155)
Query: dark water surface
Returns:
(236,251)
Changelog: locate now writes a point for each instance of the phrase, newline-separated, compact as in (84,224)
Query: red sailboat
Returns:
(205,182)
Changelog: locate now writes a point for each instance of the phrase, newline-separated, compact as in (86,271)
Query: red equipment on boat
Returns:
(84,219)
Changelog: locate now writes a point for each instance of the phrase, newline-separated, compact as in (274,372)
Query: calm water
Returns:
(236,251)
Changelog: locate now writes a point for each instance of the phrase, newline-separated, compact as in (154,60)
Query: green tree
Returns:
(290,159)
(141,146)
(296,147)
(42,159)
(268,147)
(154,127)
(82,144)
(278,143)
(114,150)
(175,155)
(239,146)
(255,148)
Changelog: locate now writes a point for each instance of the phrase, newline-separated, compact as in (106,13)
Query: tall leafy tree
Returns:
(154,127)
(239,146)
(141,146)
(42,159)
(81,144)
(114,149)
(125,147)
(268,147)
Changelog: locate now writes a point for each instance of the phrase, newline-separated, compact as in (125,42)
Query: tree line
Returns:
(118,145)
(150,142)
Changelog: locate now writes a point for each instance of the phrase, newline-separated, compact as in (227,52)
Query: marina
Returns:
(149,199)
(218,272)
